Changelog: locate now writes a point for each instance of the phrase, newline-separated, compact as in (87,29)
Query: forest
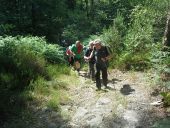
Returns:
(34,35)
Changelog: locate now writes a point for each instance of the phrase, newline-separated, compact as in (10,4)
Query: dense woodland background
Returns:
(34,34)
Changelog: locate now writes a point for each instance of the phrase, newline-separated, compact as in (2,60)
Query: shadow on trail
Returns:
(32,118)
(126,90)
(155,92)
(112,84)
(145,119)
(116,122)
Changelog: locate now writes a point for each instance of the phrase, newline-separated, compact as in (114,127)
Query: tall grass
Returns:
(28,75)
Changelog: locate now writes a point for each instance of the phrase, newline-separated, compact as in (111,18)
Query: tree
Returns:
(166,40)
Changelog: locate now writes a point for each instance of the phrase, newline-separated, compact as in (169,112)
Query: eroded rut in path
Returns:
(125,104)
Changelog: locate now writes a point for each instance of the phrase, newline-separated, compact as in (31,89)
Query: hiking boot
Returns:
(98,89)
(105,85)
(93,79)
(78,70)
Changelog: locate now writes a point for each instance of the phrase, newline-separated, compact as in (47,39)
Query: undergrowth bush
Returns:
(140,38)
(22,61)
(113,38)
(161,64)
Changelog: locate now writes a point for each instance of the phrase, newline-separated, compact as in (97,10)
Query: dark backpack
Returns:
(108,50)
(67,51)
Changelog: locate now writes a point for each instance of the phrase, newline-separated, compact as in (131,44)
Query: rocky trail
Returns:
(126,103)
(130,101)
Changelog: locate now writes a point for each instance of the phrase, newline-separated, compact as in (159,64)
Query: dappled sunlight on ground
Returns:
(125,103)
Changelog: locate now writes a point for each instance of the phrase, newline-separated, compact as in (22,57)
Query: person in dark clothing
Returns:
(91,61)
(101,57)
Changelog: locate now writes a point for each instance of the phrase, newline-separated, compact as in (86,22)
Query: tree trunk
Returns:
(87,9)
(33,18)
(92,9)
(166,40)
(71,4)
(18,14)
(81,4)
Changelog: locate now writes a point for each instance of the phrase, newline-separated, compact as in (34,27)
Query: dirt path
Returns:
(125,104)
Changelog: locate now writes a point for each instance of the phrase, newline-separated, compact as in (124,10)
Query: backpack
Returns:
(80,49)
(108,50)
(68,51)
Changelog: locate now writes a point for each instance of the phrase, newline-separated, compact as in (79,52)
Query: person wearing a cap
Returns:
(91,61)
(101,59)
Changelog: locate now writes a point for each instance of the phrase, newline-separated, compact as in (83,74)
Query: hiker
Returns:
(91,61)
(101,57)
(70,57)
(77,51)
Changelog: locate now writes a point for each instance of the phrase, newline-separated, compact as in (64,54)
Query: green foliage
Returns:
(54,53)
(51,52)
(162,123)
(140,37)
(26,57)
(166,97)
(134,34)
(133,30)
(70,20)
(113,37)
(39,87)
(38,17)
(35,45)
(6,28)
(54,102)
(78,27)
(20,59)
(130,61)
(24,60)
(54,105)
(28,63)
(56,70)
(161,63)
(6,81)
(70,33)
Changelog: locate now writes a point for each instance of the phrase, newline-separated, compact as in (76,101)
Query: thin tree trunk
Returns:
(92,9)
(166,40)
(18,14)
(81,4)
(87,9)
(33,18)
(71,4)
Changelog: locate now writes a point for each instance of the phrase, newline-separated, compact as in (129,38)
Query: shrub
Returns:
(24,70)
